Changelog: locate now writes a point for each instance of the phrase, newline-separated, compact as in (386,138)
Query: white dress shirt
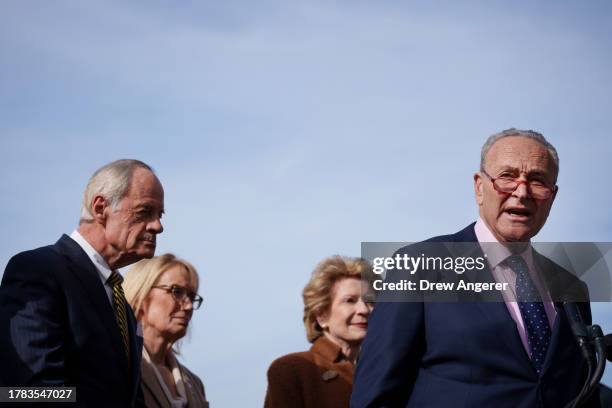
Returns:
(104,270)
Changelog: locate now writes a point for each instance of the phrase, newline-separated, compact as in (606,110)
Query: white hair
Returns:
(112,182)
(530,134)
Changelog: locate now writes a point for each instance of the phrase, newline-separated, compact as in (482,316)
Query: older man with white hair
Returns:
(63,314)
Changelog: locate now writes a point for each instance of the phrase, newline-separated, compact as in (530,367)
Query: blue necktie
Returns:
(532,311)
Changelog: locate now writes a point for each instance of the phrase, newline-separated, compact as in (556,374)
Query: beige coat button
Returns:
(329,375)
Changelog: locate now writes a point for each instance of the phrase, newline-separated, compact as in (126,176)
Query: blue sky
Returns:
(291,131)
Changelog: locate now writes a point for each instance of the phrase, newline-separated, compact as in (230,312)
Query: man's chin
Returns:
(146,250)
(141,253)
(147,254)
(520,234)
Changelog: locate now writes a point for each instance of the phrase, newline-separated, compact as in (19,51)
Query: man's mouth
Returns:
(518,212)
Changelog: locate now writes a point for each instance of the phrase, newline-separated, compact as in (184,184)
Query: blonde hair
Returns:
(318,294)
(144,274)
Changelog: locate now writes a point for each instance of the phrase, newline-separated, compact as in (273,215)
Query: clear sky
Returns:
(288,131)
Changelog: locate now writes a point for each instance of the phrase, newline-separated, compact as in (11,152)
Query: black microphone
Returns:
(598,341)
(581,334)
(579,329)
(588,338)
(608,343)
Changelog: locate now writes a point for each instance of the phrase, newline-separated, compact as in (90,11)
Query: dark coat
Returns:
(465,354)
(59,328)
(317,378)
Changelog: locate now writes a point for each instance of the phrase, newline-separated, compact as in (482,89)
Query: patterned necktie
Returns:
(532,311)
(119,304)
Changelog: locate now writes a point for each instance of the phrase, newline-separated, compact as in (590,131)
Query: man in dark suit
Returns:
(517,351)
(63,314)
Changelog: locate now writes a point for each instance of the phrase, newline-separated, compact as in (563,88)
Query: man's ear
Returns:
(99,207)
(478,188)
(554,194)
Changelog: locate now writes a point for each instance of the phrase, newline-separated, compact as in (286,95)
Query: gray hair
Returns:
(111,181)
(530,134)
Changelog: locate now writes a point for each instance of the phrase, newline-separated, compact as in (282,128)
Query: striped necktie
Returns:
(532,311)
(119,304)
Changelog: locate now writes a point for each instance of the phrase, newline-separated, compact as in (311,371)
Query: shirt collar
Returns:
(95,257)
(494,251)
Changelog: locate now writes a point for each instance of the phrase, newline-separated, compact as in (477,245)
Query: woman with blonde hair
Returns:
(163,293)
(337,304)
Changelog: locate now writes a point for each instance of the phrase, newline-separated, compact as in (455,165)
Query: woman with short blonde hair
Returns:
(317,292)
(337,305)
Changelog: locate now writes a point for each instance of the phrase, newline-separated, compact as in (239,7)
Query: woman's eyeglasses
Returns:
(180,294)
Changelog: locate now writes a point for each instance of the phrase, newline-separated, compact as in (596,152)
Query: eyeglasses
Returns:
(180,294)
(507,185)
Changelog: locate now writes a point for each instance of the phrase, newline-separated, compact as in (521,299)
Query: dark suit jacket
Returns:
(318,378)
(464,354)
(59,328)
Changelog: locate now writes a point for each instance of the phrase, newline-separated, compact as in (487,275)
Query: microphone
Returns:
(598,342)
(579,329)
(581,334)
(586,337)
(608,344)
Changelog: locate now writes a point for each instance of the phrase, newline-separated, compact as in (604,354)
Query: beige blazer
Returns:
(154,395)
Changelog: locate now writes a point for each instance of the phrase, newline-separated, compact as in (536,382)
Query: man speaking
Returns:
(516,352)
(63,315)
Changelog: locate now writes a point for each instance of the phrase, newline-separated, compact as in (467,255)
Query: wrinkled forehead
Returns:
(145,183)
(522,154)
(145,191)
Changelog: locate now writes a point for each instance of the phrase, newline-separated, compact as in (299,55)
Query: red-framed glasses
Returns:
(507,185)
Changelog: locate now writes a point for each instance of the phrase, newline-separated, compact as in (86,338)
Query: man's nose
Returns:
(522,190)
(156,226)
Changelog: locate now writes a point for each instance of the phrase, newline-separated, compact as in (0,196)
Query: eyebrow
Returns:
(530,173)
(187,289)
(148,206)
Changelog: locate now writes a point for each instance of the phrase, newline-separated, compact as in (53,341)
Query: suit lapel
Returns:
(498,311)
(557,290)
(494,307)
(556,338)
(187,383)
(135,352)
(150,382)
(88,276)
